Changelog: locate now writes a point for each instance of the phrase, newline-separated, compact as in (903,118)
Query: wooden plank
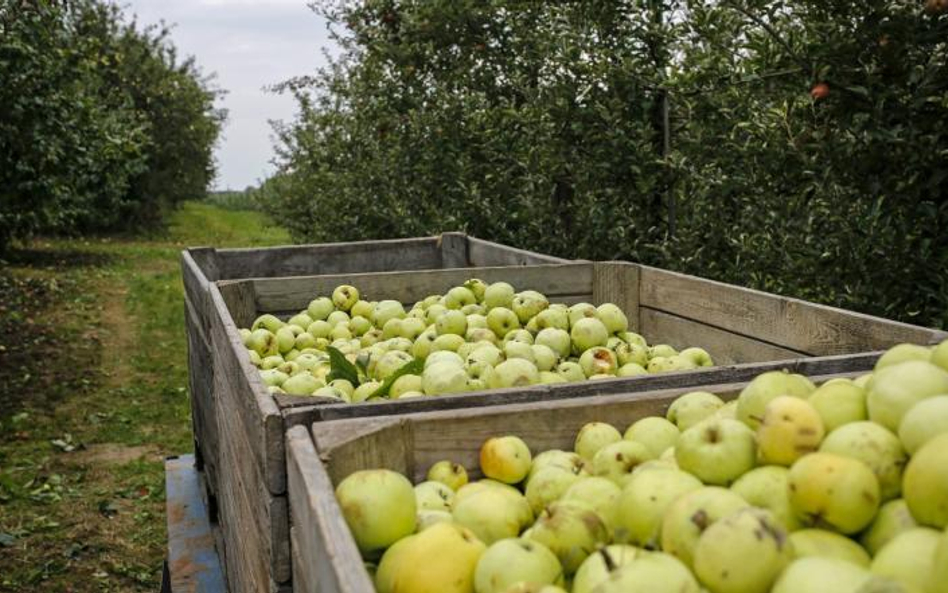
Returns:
(302,579)
(325,548)
(790,323)
(201,388)
(294,294)
(241,393)
(453,247)
(725,347)
(488,253)
(239,299)
(618,283)
(330,258)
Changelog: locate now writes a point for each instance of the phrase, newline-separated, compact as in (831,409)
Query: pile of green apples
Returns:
(789,488)
(474,337)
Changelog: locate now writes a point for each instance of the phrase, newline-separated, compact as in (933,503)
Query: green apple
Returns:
(364,391)
(433,312)
(698,356)
(925,483)
(768,487)
(550,377)
(649,572)
(940,575)
(515,372)
(268,322)
(426,519)
(656,433)
(939,355)
(458,297)
(587,333)
(344,386)
(876,447)
(440,559)
(827,544)
(596,569)
(598,494)
(593,436)
(617,460)
(303,341)
(276,377)
(450,342)
(567,460)
(452,322)
(506,459)
(444,377)
(662,350)
(385,310)
(423,345)
(498,294)
(644,501)
(626,353)
(476,320)
(743,552)
(581,311)
(765,387)
(510,561)
(300,322)
(631,369)
(547,486)
(556,339)
(263,342)
(502,321)
(528,304)
(480,334)
(571,532)
(485,353)
(717,451)
(923,422)
(551,318)
(789,429)
(896,388)
(691,408)
(411,328)
(301,384)
(813,574)
(893,518)
(613,318)
(319,329)
(448,473)
(337,317)
(405,383)
(902,353)
(571,371)
(525,587)
(833,491)
(492,513)
(910,559)
(838,403)
(514,349)
(444,356)
(634,338)
(362,309)
(320,308)
(519,335)
(598,360)
(433,496)
(691,514)
(544,357)
(390,362)
(379,507)
(344,296)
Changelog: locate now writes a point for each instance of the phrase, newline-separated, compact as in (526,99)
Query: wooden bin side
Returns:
(690,310)
(252,505)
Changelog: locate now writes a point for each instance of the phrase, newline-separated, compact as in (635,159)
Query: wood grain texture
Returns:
(201,388)
(618,283)
(725,347)
(330,258)
(488,253)
(791,323)
(241,393)
(239,300)
(324,547)
(453,248)
(294,294)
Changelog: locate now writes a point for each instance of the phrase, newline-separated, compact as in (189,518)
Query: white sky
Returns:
(249,45)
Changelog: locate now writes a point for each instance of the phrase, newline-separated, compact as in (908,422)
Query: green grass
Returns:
(94,375)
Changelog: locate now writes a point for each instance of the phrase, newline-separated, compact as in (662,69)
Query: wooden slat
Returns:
(453,247)
(302,579)
(325,548)
(725,347)
(289,294)
(330,258)
(241,393)
(201,388)
(618,283)
(239,299)
(790,323)
(488,253)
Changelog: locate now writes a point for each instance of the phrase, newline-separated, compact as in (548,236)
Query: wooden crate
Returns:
(749,331)
(242,448)
(325,556)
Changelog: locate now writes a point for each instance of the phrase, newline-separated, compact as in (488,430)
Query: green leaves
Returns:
(341,368)
(413,367)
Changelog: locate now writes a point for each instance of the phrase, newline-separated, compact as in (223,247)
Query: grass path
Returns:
(93,395)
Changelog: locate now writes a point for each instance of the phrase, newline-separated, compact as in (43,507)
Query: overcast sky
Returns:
(249,44)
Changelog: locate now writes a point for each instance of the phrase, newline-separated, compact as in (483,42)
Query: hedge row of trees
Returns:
(102,126)
(796,146)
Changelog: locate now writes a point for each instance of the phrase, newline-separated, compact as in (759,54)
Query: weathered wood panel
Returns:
(791,323)
(330,258)
(294,294)
(453,248)
(240,393)
(618,283)
(201,389)
(488,253)
(327,555)
(725,347)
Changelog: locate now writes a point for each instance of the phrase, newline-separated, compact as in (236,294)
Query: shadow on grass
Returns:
(55,258)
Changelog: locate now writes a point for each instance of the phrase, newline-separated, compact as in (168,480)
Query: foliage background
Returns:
(102,126)
(542,125)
